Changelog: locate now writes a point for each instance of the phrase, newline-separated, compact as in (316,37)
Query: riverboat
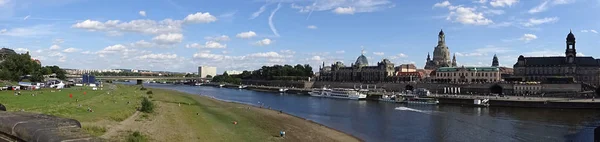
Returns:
(339,93)
(242,86)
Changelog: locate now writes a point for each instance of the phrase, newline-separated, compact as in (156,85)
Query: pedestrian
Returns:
(282,134)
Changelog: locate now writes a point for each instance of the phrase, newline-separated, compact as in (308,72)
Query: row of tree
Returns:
(16,67)
(276,72)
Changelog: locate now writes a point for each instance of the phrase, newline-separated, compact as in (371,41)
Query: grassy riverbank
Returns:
(177,116)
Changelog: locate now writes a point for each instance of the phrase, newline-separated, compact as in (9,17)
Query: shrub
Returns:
(136,137)
(143,88)
(147,105)
(149,92)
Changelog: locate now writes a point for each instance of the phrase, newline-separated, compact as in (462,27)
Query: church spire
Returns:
(495,61)
(454,60)
(428,57)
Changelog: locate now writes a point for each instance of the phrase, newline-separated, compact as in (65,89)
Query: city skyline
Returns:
(179,36)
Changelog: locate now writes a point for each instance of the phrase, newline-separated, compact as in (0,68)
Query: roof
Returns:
(361,61)
(409,66)
(453,69)
(558,60)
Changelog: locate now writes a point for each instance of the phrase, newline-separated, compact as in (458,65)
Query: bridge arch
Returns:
(496,89)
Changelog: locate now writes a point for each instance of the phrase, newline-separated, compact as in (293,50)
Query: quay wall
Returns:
(523,103)
(279,83)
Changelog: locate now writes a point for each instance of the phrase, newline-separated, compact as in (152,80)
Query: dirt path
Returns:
(113,131)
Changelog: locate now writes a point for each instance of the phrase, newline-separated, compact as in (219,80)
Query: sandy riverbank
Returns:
(186,117)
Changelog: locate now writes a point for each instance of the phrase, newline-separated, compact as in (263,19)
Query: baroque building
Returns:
(568,68)
(360,71)
(441,55)
(466,74)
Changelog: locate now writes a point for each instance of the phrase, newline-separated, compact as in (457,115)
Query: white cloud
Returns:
(340,52)
(316,58)
(26,17)
(356,6)
(21,50)
(208,55)
(4,2)
(528,37)
(112,49)
(534,21)
(266,55)
(86,52)
(218,38)
(200,18)
(442,4)
(585,31)
(260,10)
(158,56)
(248,34)
(142,43)
(90,25)
(503,3)
(168,39)
(70,50)
(344,10)
(467,15)
(33,31)
(142,13)
(214,44)
(287,52)
(208,44)
(54,47)
(540,8)
(135,26)
(311,27)
(480,1)
(401,55)
(264,42)
(378,53)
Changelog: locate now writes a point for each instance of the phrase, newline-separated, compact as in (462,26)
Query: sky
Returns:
(180,35)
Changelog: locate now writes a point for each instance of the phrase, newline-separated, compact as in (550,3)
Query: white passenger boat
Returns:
(282,90)
(198,84)
(339,93)
(221,85)
(389,98)
(242,86)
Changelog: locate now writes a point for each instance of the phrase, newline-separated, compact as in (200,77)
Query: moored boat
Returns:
(339,93)
(242,86)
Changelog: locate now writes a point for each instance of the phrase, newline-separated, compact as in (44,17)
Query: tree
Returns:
(209,76)
(16,66)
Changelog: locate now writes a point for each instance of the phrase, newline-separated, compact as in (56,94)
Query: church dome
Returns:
(362,61)
(571,36)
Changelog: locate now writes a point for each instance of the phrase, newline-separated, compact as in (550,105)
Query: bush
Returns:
(136,137)
(143,88)
(149,92)
(147,106)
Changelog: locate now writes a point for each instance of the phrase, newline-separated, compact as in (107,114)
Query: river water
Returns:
(384,121)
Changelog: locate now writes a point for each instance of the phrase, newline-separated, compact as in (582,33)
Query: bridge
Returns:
(141,78)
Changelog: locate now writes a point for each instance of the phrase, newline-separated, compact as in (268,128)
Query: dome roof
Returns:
(362,61)
(571,36)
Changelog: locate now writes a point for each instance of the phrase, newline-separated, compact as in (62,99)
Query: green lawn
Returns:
(106,104)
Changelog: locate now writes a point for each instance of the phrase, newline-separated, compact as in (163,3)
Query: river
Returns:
(384,121)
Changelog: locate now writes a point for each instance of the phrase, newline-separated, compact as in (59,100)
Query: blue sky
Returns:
(179,35)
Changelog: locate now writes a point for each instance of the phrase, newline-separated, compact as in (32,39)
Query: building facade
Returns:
(204,71)
(466,74)
(360,71)
(441,55)
(559,68)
